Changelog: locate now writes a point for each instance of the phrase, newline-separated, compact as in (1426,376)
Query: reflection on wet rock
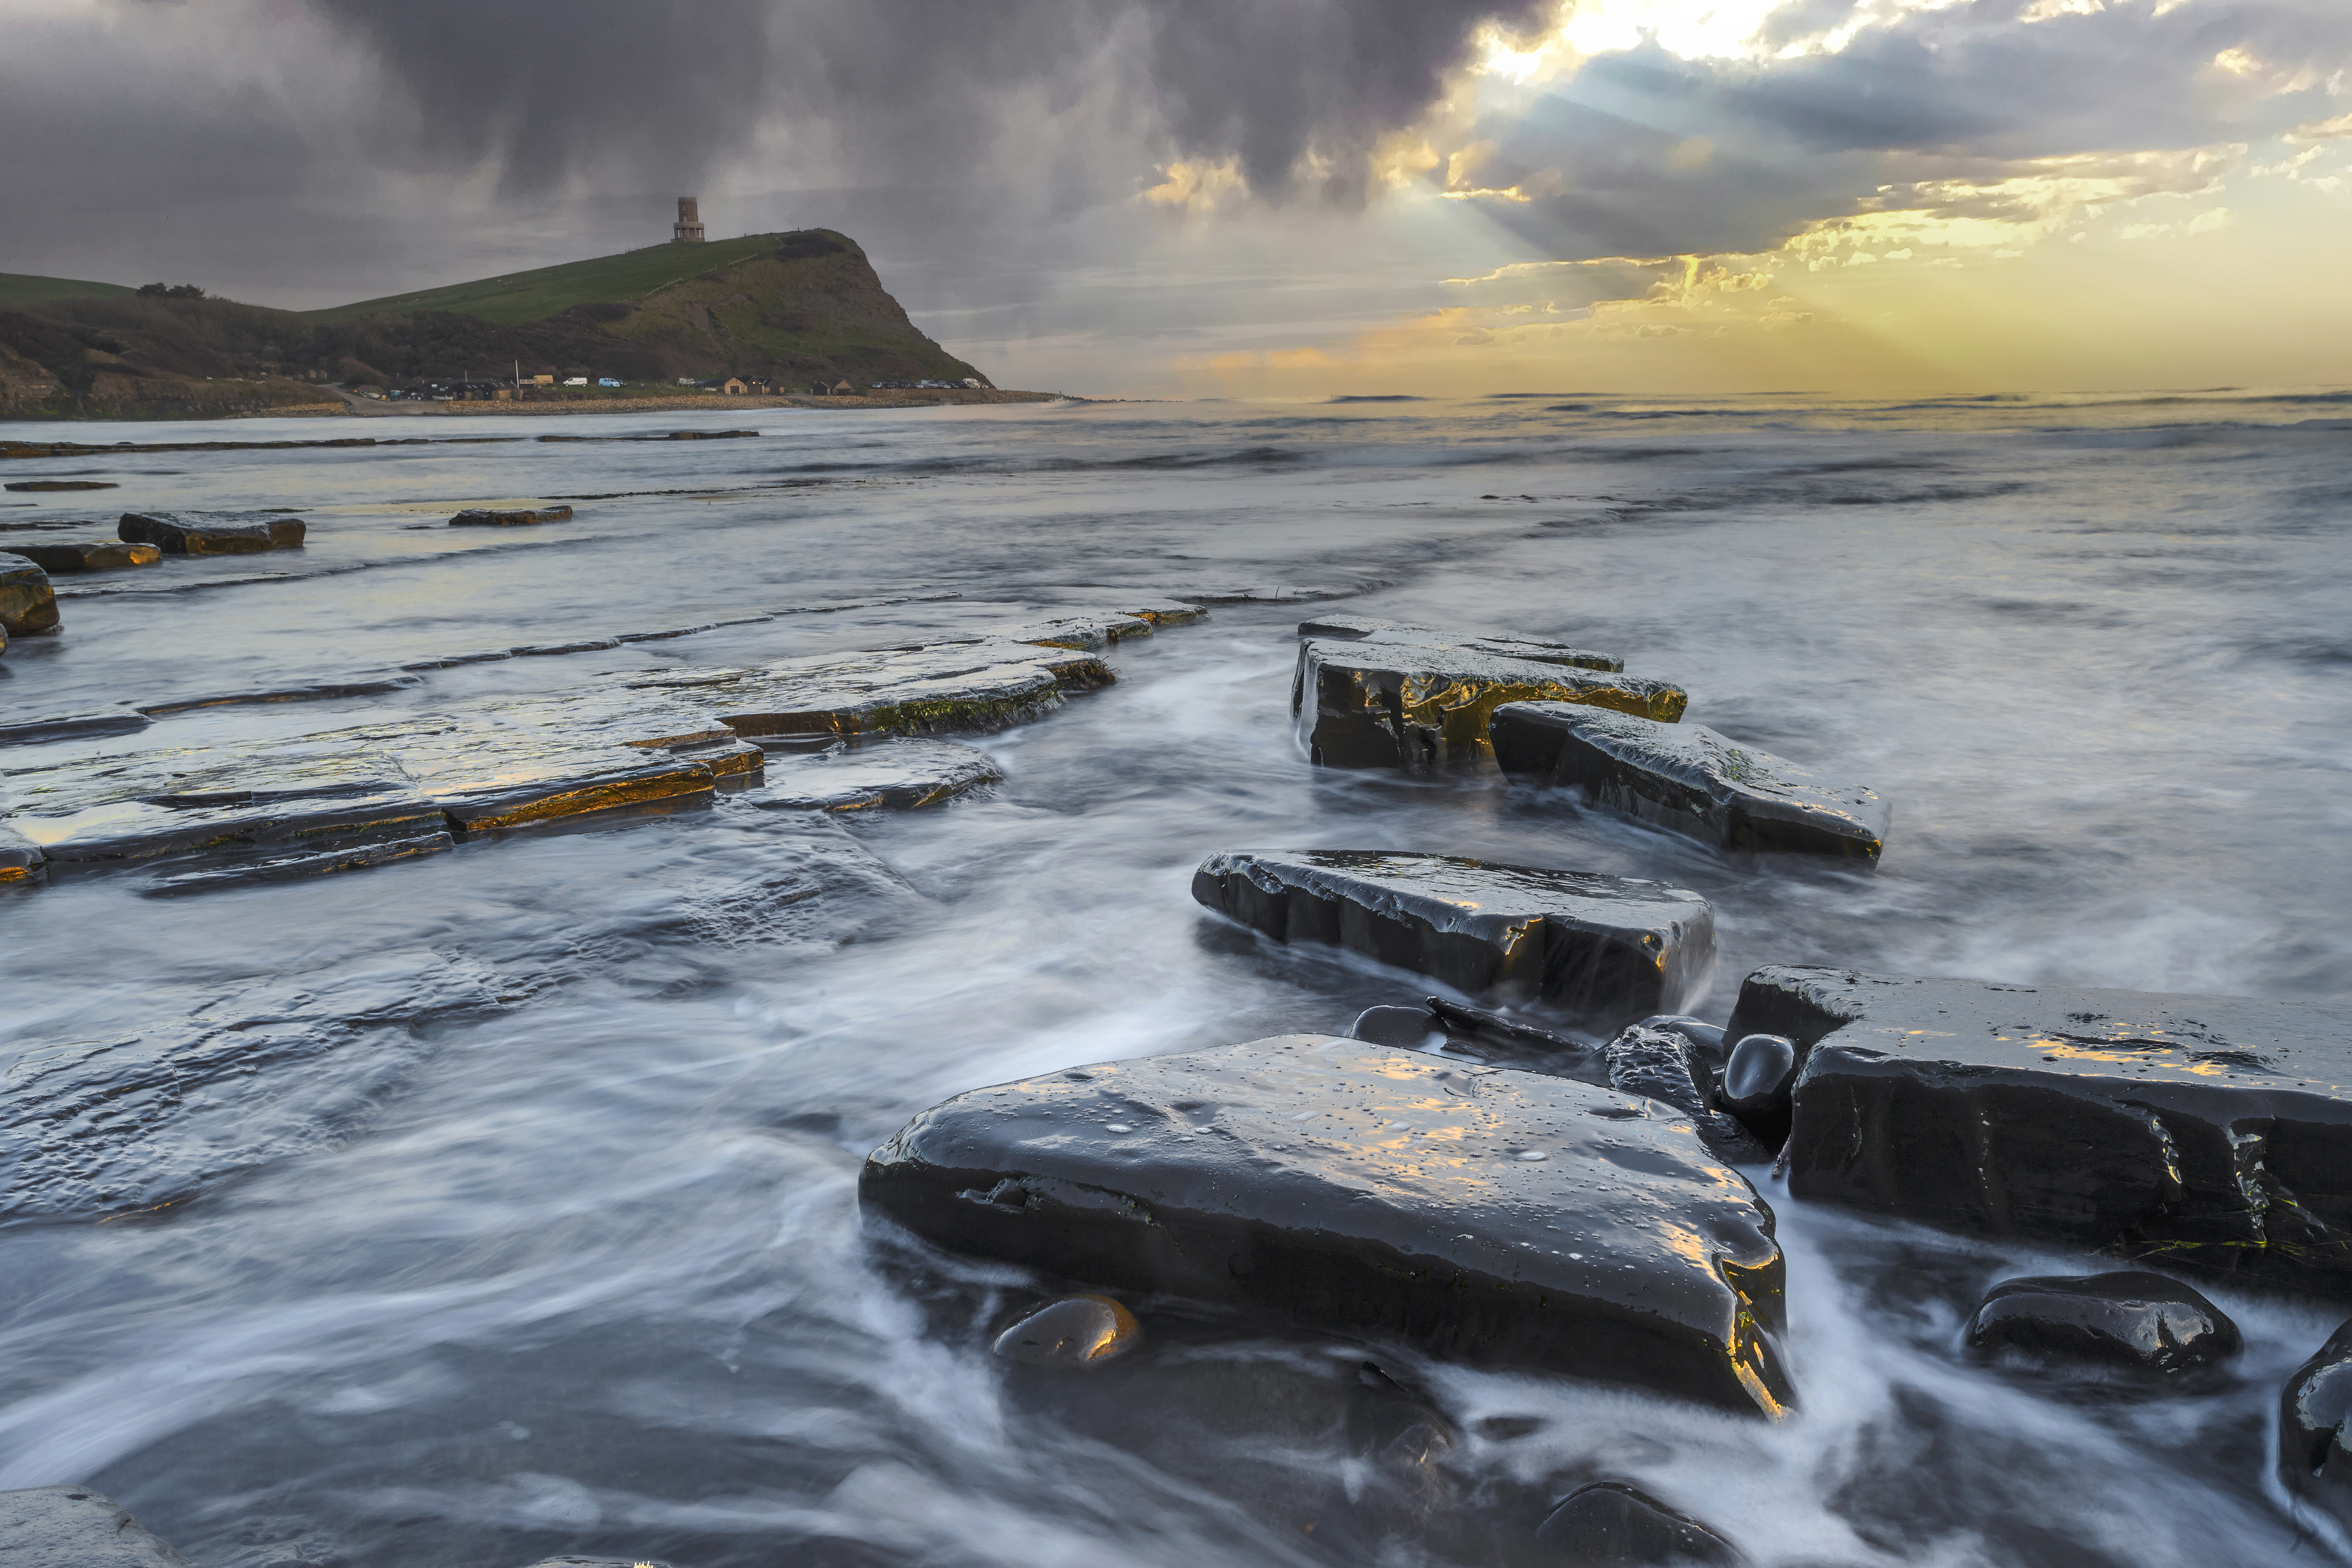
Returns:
(1611,1525)
(896,775)
(20,857)
(1687,778)
(2134,1321)
(211,532)
(2314,1448)
(1419,706)
(1590,945)
(89,555)
(1659,1063)
(1757,1084)
(75,1527)
(29,606)
(1476,1212)
(1346,627)
(2213,1132)
(1074,1332)
(518,517)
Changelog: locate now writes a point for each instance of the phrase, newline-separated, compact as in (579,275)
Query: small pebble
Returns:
(1076,1330)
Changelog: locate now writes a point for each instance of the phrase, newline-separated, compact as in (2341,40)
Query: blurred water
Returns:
(539,1234)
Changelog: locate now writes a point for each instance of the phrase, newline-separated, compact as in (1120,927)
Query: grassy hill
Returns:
(18,290)
(532,295)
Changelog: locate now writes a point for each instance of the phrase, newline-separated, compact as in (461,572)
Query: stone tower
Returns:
(689,222)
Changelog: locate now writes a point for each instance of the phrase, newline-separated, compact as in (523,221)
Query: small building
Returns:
(733,386)
(688,230)
(542,381)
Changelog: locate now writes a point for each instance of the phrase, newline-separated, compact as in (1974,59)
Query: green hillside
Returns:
(519,297)
(18,290)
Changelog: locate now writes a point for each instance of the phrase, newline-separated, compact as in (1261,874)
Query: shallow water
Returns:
(508,1195)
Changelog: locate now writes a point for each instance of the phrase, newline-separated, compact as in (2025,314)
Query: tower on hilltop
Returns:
(689,222)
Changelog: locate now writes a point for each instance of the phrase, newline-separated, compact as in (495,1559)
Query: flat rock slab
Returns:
(2204,1132)
(1369,703)
(517,516)
(898,775)
(211,532)
(34,729)
(74,1527)
(1087,632)
(1343,627)
(1599,947)
(29,606)
(48,485)
(89,555)
(1479,1212)
(1687,778)
(484,771)
(973,686)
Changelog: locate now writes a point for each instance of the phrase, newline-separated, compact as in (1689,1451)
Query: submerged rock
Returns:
(2213,1133)
(75,1527)
(2134,1321)
(898,774)
(29,606)
(308,692)
(1591,945)
(2314,1450)
(519,517)
(20,858)
(89,555)
(1074,1332)
(1476,1212)
(94,721)
(1372,703)
(1687,778)
(1657,1063)
(1757,1082)
(1343,627)
(53,485)
(1086,633)
(211,532)
(1608,1524)
(975,687)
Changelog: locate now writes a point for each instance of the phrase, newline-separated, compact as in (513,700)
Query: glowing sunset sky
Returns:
(1288,197)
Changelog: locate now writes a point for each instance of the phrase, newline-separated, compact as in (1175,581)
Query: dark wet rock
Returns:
(518,517)
(75,1527)
(89,555)
(2133,1321)
(95,722)
(148,1097)
(511,765)
(210,532)
(53,485)
(29,606)
(584,645)
(1268,593)
(1515,1042)
(1591,945)
(1476,1212)
(1086,633)
(2208,1132)
(1706,1037)
(1074,1332)
(451,661)
(1687,778)
(1758,1079)
(1608,1524)
(2315,1426)
(1372,703)
(600,1562)
(1344,627)
(1657,1063)
(266,866)
(1409,1027)
(21,860)
(974,687)
(310,691)
(899,776)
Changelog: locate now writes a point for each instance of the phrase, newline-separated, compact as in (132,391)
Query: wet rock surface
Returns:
(1608,1524)
(29,606)
(1475,1212)
(211,533)
(1758,1079)
(53,485)
(2315,1427)
(1589,945)
(2130,1321)
(1687,778)
(89,555)
(1419,706)
(75,1527)
(2213,1133)
(975,687)
(1345,627)
(518,517)
(899,775)
(1663,1066)
(20,858)
(1086,633)
(1076,1332)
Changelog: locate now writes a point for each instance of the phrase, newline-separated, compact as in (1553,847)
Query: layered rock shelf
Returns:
(212,532)
(1476,1212)
(89,555)
(2211,1133)
(1593,946)
(1345,627)
(1370,702)
(1687,778)
(898,775)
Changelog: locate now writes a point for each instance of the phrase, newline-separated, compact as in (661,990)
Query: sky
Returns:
(1271,197)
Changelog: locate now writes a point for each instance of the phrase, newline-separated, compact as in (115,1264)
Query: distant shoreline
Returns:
(371,408)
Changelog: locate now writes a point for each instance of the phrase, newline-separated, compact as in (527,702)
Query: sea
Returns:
(502,1204)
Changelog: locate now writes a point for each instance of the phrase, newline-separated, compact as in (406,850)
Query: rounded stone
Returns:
(1611,1525)
(2132,1320)
(1758,1080)
(1395,1027)
(2314,1452)
(1076,1330)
